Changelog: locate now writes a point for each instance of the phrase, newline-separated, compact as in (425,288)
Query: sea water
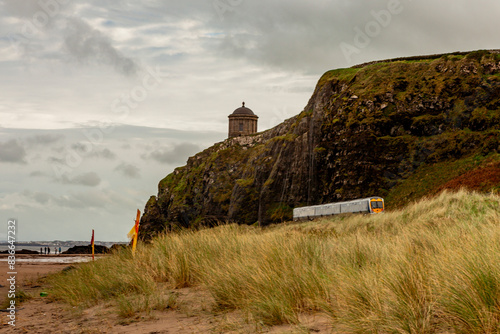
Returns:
(34,248)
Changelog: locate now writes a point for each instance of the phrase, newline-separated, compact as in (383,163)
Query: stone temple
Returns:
(242,122)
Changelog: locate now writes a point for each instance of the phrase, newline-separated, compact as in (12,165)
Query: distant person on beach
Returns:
(45,250)
(59,250)
(48,250)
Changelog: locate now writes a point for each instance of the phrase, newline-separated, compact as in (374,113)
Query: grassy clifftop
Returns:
(432,267)
(400,129)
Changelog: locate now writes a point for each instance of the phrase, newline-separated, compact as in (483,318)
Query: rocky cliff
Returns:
(365,131)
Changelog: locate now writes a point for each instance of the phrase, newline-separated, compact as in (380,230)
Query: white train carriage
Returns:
(363,205)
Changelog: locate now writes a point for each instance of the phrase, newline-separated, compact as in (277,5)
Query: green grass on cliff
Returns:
(406,74)
(433,266)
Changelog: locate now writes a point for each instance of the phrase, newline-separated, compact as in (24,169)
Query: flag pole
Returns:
(92,244)
(137,219)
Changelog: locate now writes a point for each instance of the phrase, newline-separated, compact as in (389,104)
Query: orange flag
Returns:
(92,244)
(134,232)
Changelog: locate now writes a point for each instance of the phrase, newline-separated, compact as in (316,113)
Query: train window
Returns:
(377,205)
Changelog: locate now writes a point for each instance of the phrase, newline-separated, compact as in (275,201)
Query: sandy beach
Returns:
(42,315)
(29,268)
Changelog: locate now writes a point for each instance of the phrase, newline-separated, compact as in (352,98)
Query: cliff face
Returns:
(364,132)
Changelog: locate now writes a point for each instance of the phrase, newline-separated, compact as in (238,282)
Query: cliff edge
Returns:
(397,129)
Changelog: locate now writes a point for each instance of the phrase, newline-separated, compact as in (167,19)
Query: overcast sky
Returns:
(99,100)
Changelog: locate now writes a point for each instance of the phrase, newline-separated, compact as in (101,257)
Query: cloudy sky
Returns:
(99,100)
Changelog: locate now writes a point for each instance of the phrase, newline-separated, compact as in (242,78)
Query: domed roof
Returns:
(243,111)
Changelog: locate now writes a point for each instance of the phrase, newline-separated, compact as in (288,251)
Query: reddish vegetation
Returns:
(485,178)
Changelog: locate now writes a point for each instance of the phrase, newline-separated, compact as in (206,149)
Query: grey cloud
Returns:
(89,45)
(80,147)
(25,8)
(56,160)
(37,174)
(306,36)
(12,151)
(173,155)
(39,197)
(69,202)
(90,179)
(106,154)
(42,198)
(128,170)
(44,139)
(89,150)
(59,149)
(91,199)
(298,35)
(82,200)
(28,8)
(81,41)
(35,32)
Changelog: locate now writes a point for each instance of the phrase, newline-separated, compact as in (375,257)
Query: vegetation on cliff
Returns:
(370,130)
(432,267)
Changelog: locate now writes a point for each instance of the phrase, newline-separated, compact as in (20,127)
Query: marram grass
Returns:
(433,266)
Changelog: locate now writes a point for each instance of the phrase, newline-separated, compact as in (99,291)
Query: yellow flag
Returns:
(134,232)
(131,234)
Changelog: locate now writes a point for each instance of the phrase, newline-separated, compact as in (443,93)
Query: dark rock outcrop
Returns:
(87,250)
(22,251)
(364,130)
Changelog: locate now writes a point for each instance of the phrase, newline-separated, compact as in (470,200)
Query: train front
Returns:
(377,205)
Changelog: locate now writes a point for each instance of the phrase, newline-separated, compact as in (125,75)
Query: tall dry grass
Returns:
(433,266)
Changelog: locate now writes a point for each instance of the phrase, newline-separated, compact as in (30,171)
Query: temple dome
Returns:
(243,111)
(242,122)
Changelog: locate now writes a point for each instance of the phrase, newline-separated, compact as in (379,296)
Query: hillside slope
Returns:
(367,130)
